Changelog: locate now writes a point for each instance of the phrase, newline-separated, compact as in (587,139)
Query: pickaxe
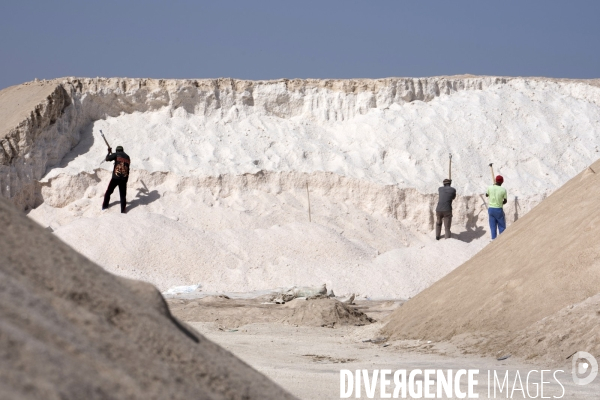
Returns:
(493,176)
(108,145)
(105,141)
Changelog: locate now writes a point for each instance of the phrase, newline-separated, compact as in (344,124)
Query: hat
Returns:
(499,179)
(119,148)
(447,181)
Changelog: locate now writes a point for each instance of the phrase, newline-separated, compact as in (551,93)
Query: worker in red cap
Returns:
(497,195)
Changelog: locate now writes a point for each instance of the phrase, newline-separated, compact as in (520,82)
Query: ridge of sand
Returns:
(30,115)
(70,330)
(545,262)
(19,103)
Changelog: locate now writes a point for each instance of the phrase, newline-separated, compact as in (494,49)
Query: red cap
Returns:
(499,179)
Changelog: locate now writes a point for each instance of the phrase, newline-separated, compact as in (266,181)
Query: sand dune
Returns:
(522,291)
(70,330)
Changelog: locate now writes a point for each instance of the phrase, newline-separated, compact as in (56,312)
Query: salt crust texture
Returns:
(218,192)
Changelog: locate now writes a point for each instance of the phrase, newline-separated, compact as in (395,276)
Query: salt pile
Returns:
(218,195)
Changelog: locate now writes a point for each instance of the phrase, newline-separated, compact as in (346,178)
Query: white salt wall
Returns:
(538,135)
(218,191)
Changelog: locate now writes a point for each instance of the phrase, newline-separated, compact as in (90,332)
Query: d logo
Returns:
(584,363)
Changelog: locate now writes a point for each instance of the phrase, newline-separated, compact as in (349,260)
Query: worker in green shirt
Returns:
(497,195)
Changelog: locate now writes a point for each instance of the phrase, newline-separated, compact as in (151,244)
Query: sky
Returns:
(297,39)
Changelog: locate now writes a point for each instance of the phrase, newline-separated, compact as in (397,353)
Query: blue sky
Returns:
(302,39)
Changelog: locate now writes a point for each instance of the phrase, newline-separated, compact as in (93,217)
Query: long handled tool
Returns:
(493,176)
(450,167)
(105,141)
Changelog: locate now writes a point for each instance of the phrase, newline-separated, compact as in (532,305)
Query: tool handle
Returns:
(102,134)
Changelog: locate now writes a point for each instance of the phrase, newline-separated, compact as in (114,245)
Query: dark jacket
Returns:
(447,194)
(122,162)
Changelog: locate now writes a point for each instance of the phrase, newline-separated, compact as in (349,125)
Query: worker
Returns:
(443,210)
(119,178)
(498,196)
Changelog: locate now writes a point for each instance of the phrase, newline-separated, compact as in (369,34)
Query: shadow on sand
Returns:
(470,234)
(143,197)
(473,231)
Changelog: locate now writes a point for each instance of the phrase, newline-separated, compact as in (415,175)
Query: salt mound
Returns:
(228,251)
(218,195)
(546,262)
(324,313)
(515,124)
(70,330)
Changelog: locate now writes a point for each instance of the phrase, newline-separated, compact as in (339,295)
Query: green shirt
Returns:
(497,195)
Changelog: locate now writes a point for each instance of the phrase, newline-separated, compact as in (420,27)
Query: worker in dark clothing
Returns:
(119,178)
(444,209)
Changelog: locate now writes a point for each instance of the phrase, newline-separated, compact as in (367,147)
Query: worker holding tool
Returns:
(443,210)
(120,175)
(498,197)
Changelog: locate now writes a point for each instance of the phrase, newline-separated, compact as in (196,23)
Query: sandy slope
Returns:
(555,337)
(524,283)
(18,102)
(70,330)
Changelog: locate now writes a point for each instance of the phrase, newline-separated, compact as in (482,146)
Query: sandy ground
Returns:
(307,361)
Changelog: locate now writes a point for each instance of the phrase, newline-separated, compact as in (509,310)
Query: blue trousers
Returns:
(496,220)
